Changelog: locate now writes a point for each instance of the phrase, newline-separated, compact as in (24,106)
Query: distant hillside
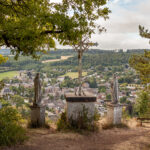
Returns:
(94,58)
(69,51)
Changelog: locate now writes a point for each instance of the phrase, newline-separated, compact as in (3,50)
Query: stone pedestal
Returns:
(37,116)
(77,104)
(114,114)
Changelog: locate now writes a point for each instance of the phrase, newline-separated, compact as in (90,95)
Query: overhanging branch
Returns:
(52,32)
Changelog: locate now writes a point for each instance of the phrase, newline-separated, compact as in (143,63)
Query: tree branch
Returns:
(5,40)
(144,32)
(52,32)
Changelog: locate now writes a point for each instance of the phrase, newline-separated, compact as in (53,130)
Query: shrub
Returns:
(125,114)
(83,122)
(142,105)
(11,132)
(62,123)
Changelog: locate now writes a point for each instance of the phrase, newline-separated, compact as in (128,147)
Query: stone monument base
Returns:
(114,114)
(77,104)
(37,116)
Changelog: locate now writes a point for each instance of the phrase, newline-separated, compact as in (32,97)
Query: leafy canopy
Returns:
(141,63)
(30,26)
(142,104)
(3,59)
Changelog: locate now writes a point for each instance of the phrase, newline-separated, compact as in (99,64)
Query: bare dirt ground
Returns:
(137,138)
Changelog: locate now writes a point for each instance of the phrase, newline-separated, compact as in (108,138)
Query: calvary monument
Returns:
(80,99)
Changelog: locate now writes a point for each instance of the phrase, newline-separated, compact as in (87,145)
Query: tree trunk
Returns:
(80,71)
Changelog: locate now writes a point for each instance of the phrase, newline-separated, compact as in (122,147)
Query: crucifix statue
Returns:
(80,48)
(115,90)
(37,90)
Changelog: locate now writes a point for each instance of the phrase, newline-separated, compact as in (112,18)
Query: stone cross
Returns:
(115,90)
(37,90)
(80,48)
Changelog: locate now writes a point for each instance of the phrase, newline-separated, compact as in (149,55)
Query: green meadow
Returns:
(9,74)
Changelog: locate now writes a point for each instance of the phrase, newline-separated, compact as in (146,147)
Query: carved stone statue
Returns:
(37,90)
(115,90)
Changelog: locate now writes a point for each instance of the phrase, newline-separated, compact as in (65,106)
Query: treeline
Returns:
(97,59)
(23,63)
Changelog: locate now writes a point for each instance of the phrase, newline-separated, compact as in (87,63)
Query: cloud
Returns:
(124,1)
(122,27)
(116,1)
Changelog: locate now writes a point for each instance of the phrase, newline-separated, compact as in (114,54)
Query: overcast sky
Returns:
(122,27)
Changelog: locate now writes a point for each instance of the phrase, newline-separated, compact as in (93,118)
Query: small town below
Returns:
(60,77)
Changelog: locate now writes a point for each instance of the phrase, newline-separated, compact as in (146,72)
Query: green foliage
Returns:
(100,68)
(92,59)
(11,132)
(3,59)
(123,99)
(69,83)
(1,85)
(4,102)
(30,26)
(49,57)
(62,123)
(127,79)
(83,122)
(117,69)
(17,100)
(102,89)
(108,97)
(92,82)
(22,107)
(97,60)
(51,97)
(144,32)
(125,114)
(23,63)
(9,75)
(142,106)
(141,63)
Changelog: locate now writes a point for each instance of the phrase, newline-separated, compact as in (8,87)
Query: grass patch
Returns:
(111,126)
(74,75)
(9,74)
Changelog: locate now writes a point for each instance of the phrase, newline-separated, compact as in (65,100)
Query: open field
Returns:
(74,75)
(55,60)
(9,74)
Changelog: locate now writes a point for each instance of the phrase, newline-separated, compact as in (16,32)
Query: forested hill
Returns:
(64,51)
(91,58)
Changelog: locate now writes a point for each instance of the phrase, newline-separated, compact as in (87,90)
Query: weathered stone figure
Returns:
(37,110)
(37,90)
(115,90)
